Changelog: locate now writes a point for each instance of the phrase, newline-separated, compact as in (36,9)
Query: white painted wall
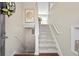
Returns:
(29,40)
(64,15)
(14,27)
(29,37)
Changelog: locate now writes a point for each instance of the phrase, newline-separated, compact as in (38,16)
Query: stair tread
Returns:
(49,35)
(45,32)
(42,33)
(45,37)
(44,26)
(47,45)
(48,50)
(43,40)
(47,41)
(44,29)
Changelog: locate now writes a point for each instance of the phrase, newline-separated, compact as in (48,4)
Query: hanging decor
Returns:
(29,14)
(7,8)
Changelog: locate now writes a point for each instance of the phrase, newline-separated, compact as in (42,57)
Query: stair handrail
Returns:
(57,44)
(56,28)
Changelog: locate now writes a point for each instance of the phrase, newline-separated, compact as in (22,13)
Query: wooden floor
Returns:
(40,54)
(24,53)
(31,53)
(48,54)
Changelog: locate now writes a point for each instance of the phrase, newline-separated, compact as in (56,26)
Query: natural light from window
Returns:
(43,12)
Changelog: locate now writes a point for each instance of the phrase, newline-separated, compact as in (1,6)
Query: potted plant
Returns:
(39,19)
(7,8)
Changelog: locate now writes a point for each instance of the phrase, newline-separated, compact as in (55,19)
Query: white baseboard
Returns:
(36,53)
(13,53)
(74,52)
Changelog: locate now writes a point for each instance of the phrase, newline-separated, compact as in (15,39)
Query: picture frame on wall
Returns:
(29,15)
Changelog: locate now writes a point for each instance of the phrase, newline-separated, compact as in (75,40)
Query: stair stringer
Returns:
(52,33)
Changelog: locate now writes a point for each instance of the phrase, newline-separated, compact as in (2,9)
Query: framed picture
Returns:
(29,14)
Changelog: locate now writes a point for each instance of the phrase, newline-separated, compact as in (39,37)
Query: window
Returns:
(43,12)
(44,19)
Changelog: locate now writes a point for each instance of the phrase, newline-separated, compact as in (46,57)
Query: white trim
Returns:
(36,53)
(74,52)
(37,37)
(73,39)
(48,51)
(56,28)
(13,53)
(59,50)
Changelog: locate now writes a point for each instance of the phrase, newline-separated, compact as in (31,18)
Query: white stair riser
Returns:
(52,51)
(42,41)
(44,33)
(46,42)
(45,37)
(47,49)
(45,30)
(45,45)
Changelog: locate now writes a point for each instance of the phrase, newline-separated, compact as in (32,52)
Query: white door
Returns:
(2,35)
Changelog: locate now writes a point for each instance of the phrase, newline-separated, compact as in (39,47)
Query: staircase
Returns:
(46,41)
(47,45)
